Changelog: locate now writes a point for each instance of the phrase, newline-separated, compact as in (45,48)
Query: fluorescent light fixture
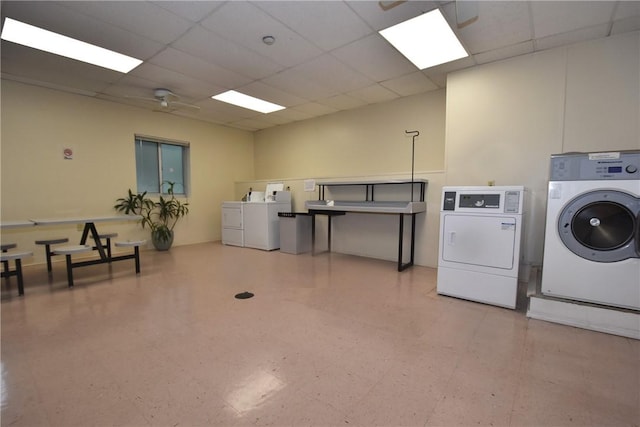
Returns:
(37,38)
(246,101)
(426,40)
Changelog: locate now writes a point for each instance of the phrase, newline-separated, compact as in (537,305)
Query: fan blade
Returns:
(141,98)
(466,12)
(387,5)
(183,105)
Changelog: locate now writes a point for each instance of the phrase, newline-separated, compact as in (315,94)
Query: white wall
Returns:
(505,119)
(36,182)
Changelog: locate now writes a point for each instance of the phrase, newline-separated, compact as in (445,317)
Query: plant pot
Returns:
(159,241)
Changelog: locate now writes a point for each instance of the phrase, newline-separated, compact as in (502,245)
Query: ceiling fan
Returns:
(166,100)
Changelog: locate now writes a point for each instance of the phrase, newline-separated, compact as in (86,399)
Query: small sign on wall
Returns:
(68,153)
(309,185)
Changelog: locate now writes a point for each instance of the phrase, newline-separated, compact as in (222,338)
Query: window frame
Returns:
(186,170)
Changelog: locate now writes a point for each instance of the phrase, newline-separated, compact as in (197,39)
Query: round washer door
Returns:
(601,226)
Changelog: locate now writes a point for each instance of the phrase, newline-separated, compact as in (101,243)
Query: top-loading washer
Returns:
(480,240)
(592,235)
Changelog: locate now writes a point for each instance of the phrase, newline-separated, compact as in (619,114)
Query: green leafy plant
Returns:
(160,216)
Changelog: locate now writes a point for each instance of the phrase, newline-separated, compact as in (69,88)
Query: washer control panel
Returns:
(616,165)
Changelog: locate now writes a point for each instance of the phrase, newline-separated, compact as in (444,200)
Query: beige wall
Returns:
(366,141)
(504,120)
(38,123)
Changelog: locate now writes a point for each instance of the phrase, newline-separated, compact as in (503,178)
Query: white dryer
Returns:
(480,240)
(592,236)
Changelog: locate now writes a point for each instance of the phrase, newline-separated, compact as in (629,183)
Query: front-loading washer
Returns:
(480,241)
(592,233)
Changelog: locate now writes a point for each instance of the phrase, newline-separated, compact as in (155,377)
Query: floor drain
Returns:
(244,295)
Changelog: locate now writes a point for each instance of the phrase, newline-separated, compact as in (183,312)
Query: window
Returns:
(159,161)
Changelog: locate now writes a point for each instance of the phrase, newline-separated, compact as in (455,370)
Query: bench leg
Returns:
(47,249)
(136,251)
(109,249)
(69,271)
(5,266)
(19,274)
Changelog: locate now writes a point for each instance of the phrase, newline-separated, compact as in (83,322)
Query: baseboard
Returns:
(610,320)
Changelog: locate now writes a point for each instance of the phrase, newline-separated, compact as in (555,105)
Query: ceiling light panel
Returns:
(48,41)
(246,101)
(426,40)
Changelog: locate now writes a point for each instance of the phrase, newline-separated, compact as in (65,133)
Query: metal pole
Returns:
(413,150)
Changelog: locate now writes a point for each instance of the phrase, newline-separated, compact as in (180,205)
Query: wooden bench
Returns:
(68,251)
(47,248)
(5,257)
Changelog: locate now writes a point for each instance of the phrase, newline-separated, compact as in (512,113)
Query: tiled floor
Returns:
(330,340)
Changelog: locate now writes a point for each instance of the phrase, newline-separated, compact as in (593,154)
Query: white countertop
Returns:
(82,219)
(17,223)
(371,207)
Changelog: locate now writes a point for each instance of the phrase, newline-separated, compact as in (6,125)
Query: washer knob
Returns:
(631,169)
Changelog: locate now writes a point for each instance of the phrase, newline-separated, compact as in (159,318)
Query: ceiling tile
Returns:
(137,17)
(252,124)
(230,22)
(342,102)
(194,11)
(372,12)
(333,74)
(272,94)
(315,109)
(504,52)
(276,120)
(373,94)
(225,112)
(374,57)
(295,82)
(410,84)
(557,17)
(192,66)
(627,9)
(625,25)
(572,37)
(183,86)
(216,50)
(326,24)
(499,24)
(291,114)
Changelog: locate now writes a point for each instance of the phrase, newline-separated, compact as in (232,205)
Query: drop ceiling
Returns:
(327,56)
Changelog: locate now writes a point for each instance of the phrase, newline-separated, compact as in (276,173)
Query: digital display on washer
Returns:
(479,201)
(614,169)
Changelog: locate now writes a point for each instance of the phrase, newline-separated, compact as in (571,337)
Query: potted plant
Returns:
(160,216)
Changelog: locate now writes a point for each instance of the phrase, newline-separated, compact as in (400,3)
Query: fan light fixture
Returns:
(426,40)
(246,101)
(48,41)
